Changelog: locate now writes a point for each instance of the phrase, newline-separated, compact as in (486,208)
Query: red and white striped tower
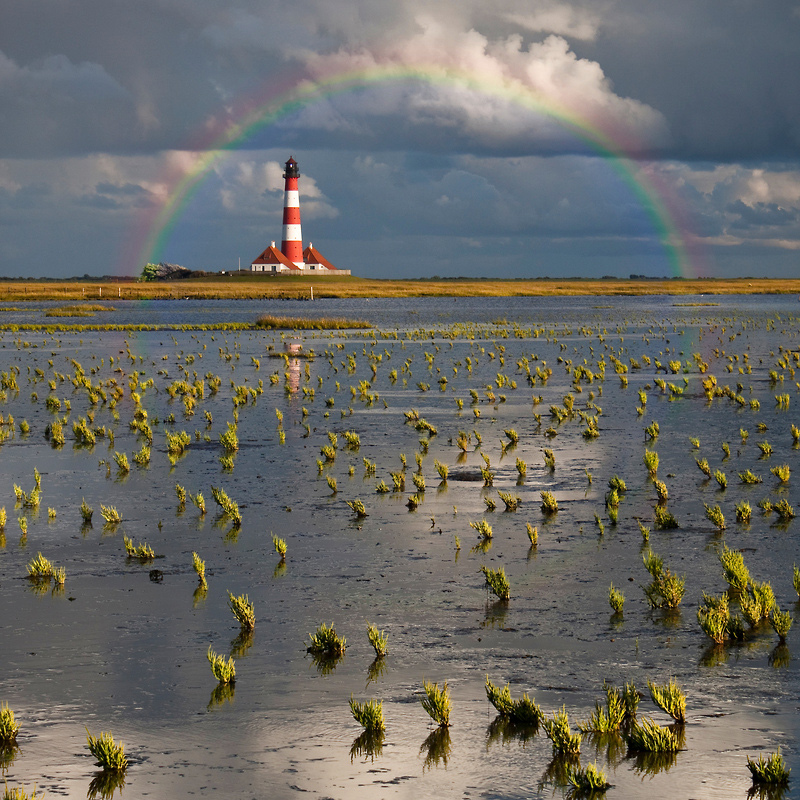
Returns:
(292,244)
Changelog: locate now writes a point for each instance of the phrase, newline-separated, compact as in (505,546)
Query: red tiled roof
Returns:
(312,256)
(274,256)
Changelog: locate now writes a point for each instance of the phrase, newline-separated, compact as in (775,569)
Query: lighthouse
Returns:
(292,244)
(291,257)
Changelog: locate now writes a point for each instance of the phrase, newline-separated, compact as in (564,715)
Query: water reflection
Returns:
(610,745)
(651,764)
(436,749)
(368,745)
(105,784)
(483,546)
(8,753)
(223,693)
(762,792)
(242,643)
(505,731)
(377,669)
(557,770)
(199,595)
(780,656)
(495,614)
(326,663)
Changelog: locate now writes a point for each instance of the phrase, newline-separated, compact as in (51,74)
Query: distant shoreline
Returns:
(254,287)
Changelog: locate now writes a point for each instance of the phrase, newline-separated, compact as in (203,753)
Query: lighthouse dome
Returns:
(292,170)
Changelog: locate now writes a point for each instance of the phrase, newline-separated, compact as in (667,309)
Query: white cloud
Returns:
(491,89)
(560,19)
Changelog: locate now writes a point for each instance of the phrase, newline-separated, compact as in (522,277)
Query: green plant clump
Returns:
(649,737)
(9,727)
(523,711)
(770,771)
(496,581)
(243,610)
(587,780)
(224,669)
(558,731)
(378,640)
(325,642)
(110,755)
(369,714)
(437,703)
(670,698)
(616,599)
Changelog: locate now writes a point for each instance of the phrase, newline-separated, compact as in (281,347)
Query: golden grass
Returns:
(251,286)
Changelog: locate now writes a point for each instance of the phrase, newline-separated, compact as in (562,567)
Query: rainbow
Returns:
(218,139)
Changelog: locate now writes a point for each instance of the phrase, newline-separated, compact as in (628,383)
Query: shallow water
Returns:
(119,652)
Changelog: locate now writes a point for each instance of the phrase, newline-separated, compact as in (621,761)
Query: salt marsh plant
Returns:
(368,714)
(670,698)
(3,518)
(734,570)
(143,551)
(122,462)
(325,642)
(378,640)
(770,771)
(721,479)
(419,481)
(199,501)
(512,435)
(765,448)
(142,456)
(796,579)
(280,546)
(651,431)
(9,727)
(490,503)
(661,491)
(664,518)
(702,465)
(748,477)
(558,731)
(357,507)
(781,622)
(442,470)
(666,590)
(616,599)
(610,718)
(644,530)
(110,514)
(714,514)
(522,712)
(229,439)
(588,780)
(437,703)
(549,503)
(331,483)
(649,737)
(549,460)
(229,507)
(243,610)
(110,755)
(743,512)
(40,568)
(511,502)
(224,670)
(86,512)
(483,528)
(533,535)
(695,442)
(496,581)
(650,459)
(784,511)
(180,492)
(781,472)
(200,568)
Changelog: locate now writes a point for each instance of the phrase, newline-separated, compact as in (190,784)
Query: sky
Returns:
(512,139)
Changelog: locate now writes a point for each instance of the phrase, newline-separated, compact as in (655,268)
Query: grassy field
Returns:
(250,286)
